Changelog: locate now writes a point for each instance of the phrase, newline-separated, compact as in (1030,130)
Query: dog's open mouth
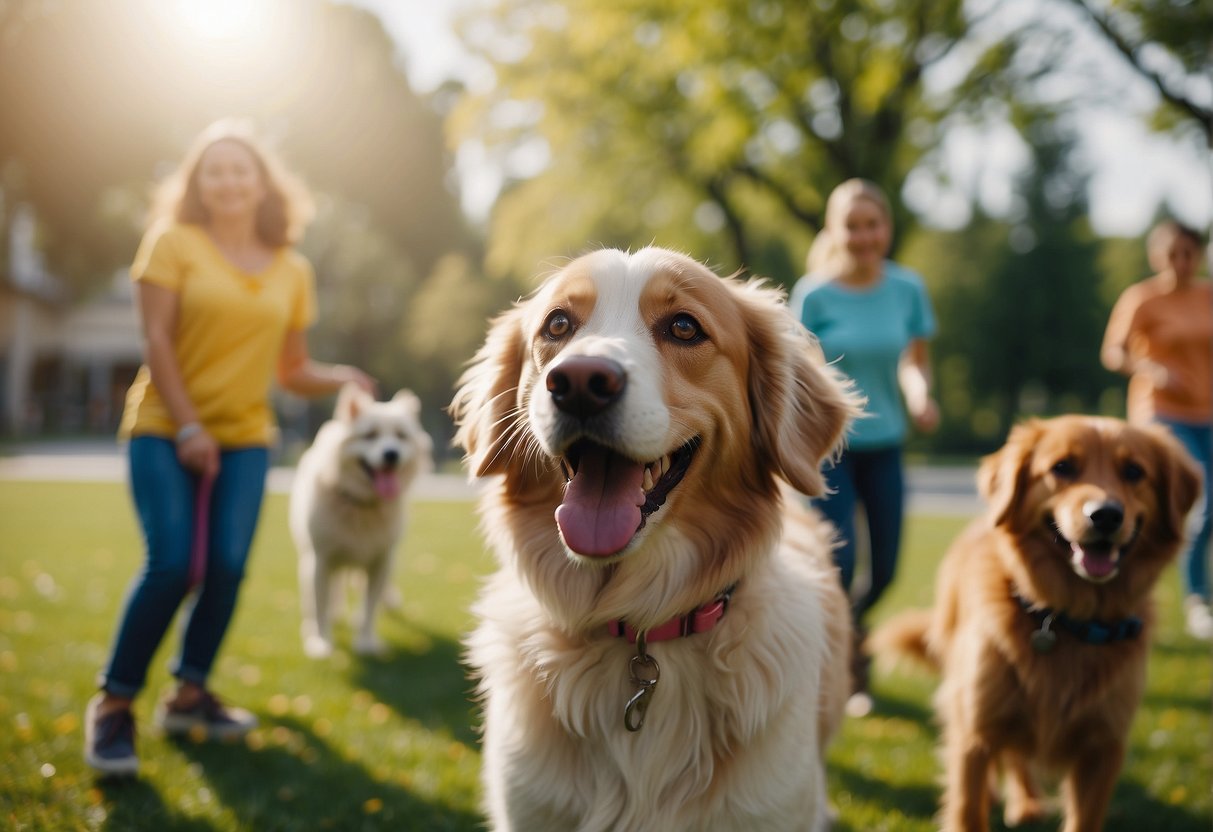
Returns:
(609,496)
(1096,560)
(386,480)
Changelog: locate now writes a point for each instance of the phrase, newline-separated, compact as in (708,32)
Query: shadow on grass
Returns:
(888,704)
(916,801)
(305,784)
(1133,809)
(131,803)
(426,682)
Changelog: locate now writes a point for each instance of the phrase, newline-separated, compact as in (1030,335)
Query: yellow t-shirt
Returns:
(230,329)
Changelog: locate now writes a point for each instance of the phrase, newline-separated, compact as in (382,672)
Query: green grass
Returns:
(351,744)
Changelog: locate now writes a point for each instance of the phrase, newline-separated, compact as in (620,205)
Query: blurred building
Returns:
(64,366)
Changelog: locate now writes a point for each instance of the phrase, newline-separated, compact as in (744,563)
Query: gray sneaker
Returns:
(208,718)
(109,740)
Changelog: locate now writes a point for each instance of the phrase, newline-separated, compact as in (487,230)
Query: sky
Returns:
(1133,170)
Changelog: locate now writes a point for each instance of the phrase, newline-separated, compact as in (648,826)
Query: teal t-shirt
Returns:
(864,332)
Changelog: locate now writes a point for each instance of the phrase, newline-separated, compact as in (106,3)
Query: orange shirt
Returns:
(1174,328)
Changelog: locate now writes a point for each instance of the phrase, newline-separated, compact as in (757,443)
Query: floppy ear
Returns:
(801,406)
(1180,478)
(486,403)
(1002,477)
(350,402)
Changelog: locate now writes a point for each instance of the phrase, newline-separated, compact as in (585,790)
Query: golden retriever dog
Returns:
(664,646)
(347,511)
(1043,615)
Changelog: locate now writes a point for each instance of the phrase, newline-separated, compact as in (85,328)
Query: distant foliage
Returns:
(717,128)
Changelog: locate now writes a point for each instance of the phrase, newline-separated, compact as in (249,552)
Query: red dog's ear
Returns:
(1002,476)
(1180,478)
(801,405)
(485,407)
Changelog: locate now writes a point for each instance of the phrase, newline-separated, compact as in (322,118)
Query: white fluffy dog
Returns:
(347,507)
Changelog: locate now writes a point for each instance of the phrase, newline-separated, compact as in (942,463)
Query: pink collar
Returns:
(699,620)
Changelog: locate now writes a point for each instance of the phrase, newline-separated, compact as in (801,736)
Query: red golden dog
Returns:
(1043,614)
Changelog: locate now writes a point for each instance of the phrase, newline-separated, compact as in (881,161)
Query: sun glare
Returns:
(220,19)
(237,47)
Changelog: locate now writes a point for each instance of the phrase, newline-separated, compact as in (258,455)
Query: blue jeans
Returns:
(873,479)
(1194,560)
(163,493)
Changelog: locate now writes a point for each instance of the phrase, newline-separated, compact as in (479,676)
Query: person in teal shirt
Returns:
(873,318)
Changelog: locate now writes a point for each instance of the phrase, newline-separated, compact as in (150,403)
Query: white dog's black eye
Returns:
(558,325)
(685,328)
(1132,472)
(1065,468)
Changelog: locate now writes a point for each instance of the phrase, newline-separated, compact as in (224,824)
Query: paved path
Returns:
(949,490)
(100,461)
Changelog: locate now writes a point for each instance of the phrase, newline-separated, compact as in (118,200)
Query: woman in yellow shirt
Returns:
(224,303)
(1160,334)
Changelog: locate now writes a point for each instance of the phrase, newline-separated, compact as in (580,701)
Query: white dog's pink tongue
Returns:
(387,485)
(601,509)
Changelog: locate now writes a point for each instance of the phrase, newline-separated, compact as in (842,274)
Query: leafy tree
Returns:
(1022,307)
(713,127)
(1167,42)
(445,324)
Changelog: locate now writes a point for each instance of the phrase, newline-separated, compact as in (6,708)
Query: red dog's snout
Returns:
(585,385)
(1106,516)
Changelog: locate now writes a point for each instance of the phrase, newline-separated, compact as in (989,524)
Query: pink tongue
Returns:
(1097,562)
(387,485)
(601,509)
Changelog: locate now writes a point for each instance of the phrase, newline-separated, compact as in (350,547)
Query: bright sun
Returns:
(220,19)
(228,44)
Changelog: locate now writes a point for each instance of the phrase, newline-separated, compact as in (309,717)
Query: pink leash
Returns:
(202,522)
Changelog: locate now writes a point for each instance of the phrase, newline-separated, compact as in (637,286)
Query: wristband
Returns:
(188,431)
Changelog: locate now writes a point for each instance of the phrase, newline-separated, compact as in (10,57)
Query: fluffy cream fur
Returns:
(347,509)
(735,735)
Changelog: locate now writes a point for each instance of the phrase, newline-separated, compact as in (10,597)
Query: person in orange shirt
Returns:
(225,303)
(1160,334)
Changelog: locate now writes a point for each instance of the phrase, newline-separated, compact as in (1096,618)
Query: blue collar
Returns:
(1090,632)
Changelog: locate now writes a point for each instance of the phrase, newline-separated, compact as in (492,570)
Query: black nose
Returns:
(1106,516)
(585,385)
(391,457)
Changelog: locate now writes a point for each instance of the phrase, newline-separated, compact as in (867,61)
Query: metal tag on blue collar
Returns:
(1043,640)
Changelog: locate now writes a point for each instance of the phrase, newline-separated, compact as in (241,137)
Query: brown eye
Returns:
(685,328)
(558,325)
(1065,468)
(1132,472)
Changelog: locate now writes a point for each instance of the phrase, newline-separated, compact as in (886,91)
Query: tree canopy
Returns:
(715,127)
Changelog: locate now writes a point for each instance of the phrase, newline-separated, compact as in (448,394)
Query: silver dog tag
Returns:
(1044,639)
